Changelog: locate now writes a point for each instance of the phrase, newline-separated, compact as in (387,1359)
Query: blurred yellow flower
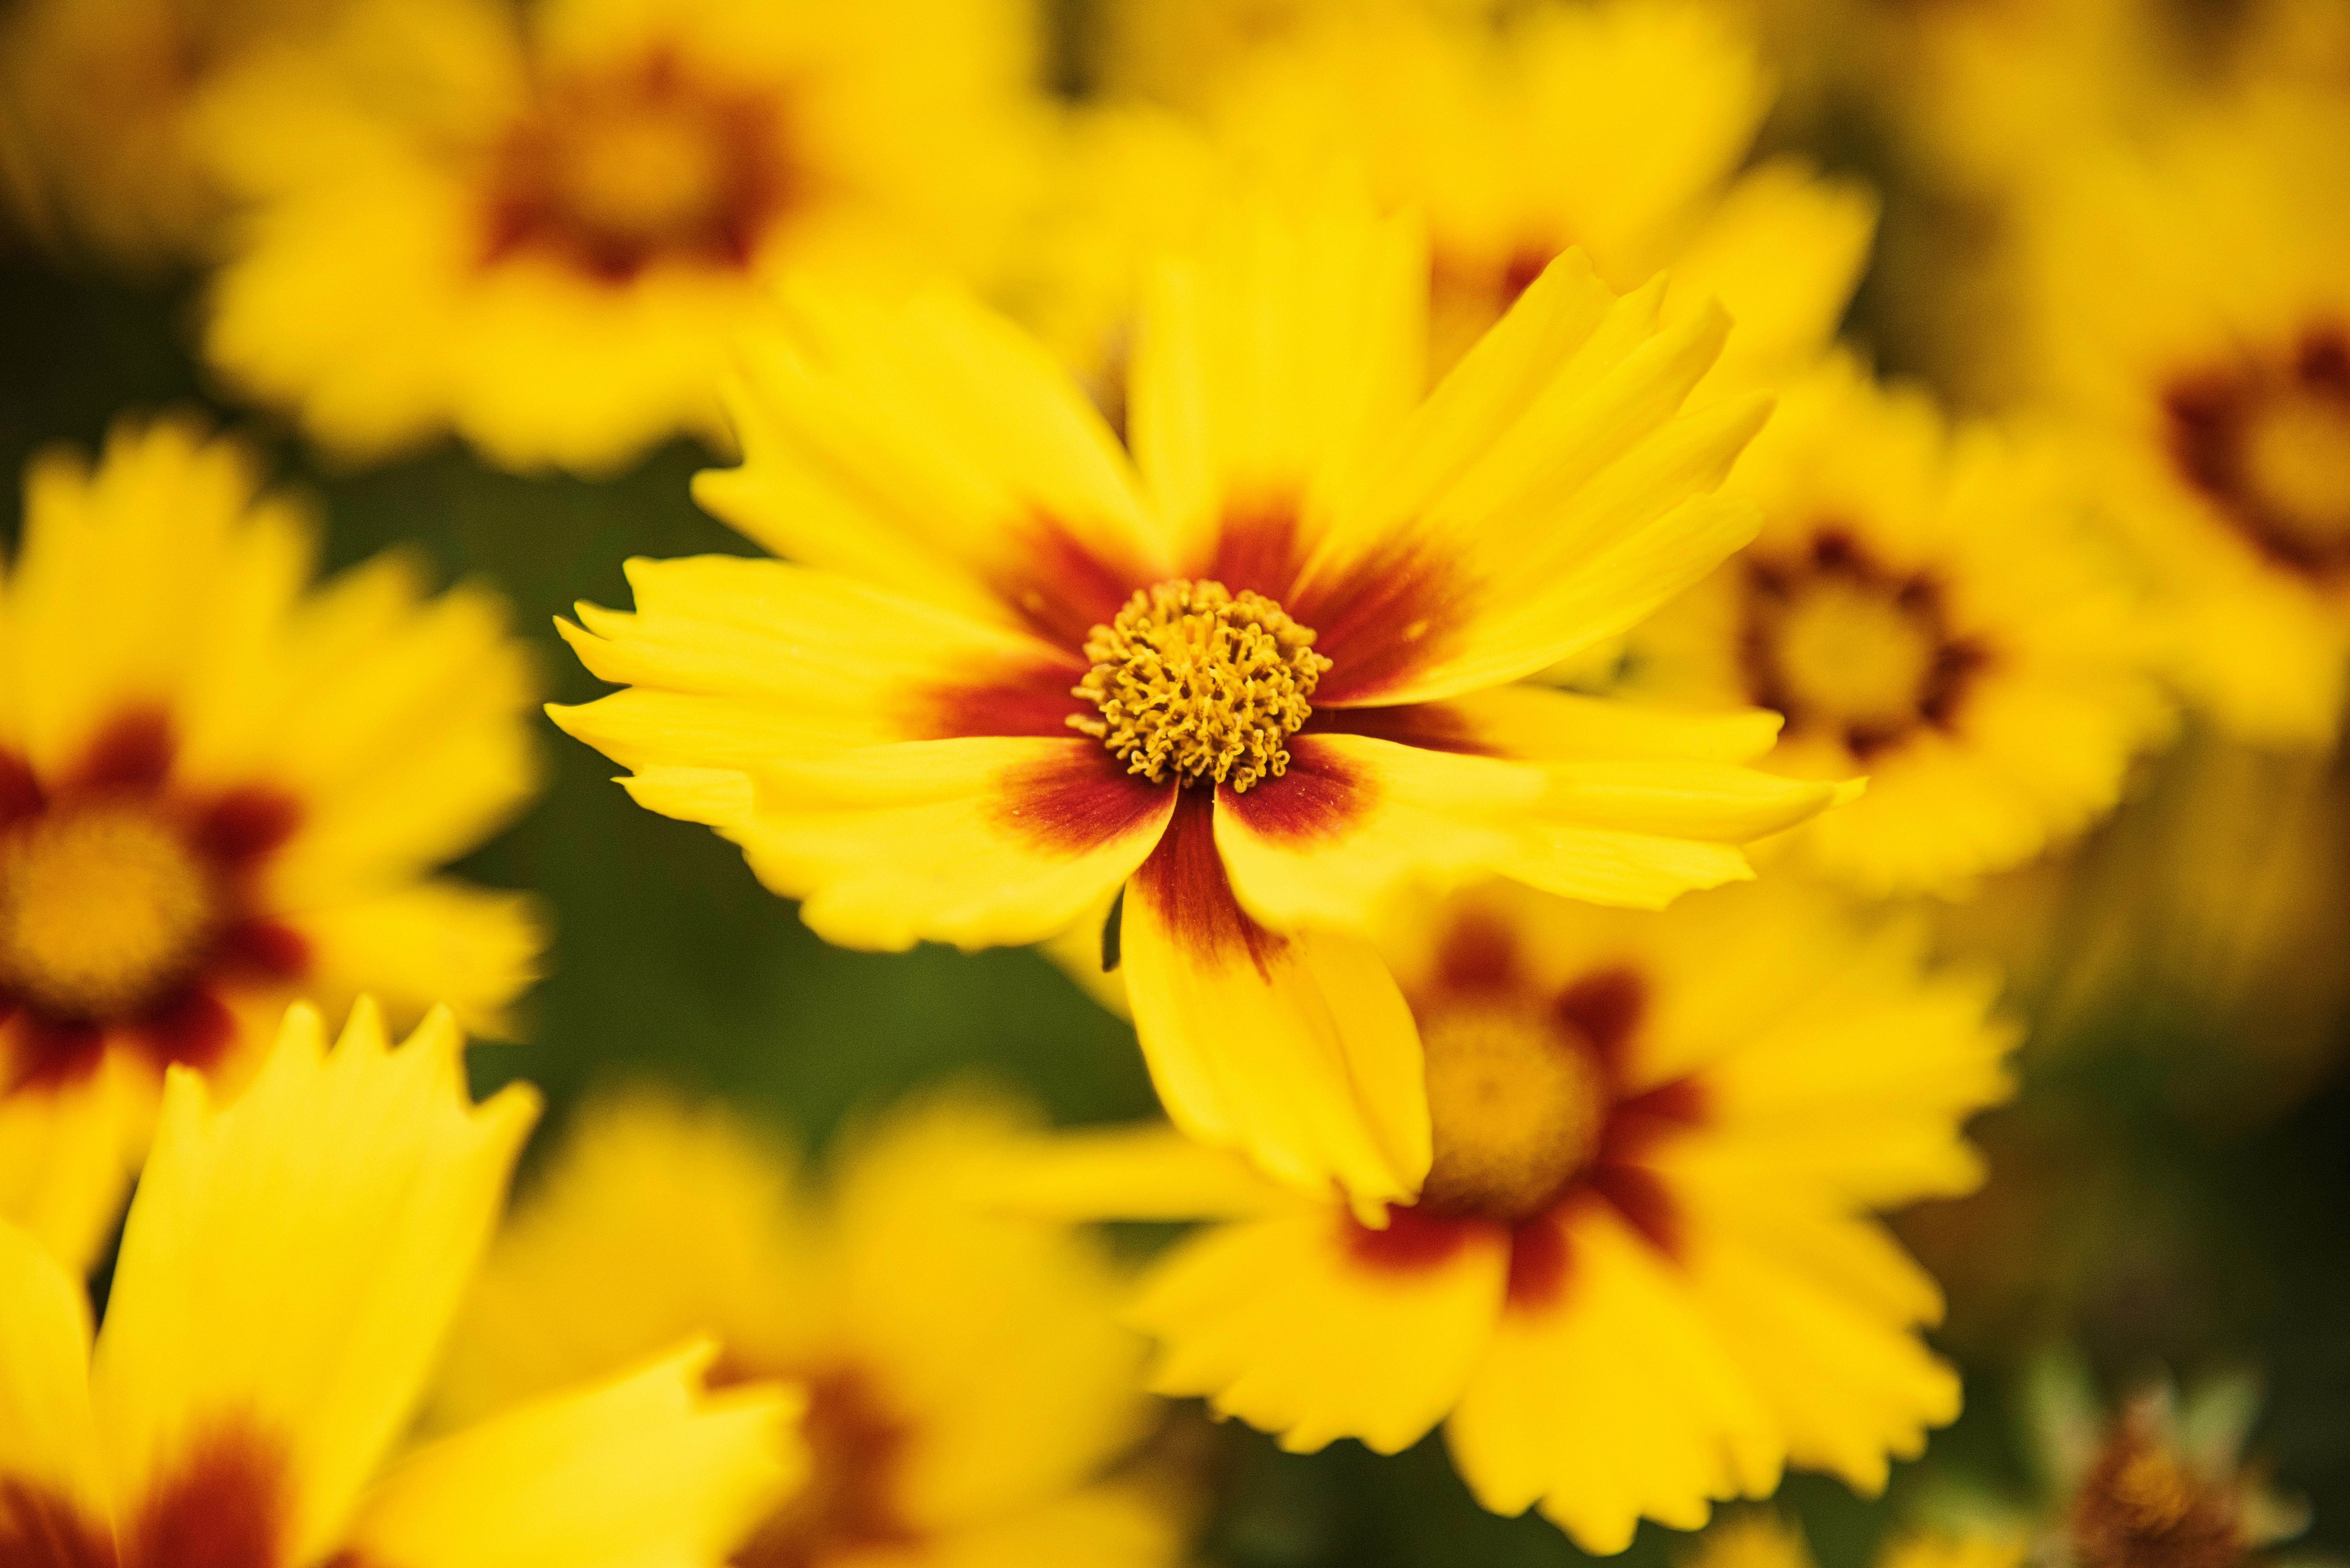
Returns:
(544,235)
(2193,305)
(967,1382)
(1928,607)
(289,1268)
(218,792)
(1641,1276)
(99,101)
(1617,128)
(1256,675)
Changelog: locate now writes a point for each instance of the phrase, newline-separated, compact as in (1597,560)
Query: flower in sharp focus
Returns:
(219,791)
(1928,607)
(967,1382)
(558,222)
(2193,305)
(1642,1275)
(1257,675)
(287,1273)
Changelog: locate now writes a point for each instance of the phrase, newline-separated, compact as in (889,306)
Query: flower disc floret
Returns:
(100,909)
(1193,679)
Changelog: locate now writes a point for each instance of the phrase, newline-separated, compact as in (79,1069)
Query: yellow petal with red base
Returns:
(1355,815)
(1614,1400)
(1277,1321)
(733,662)
(287,1273)
(1293,1047)
(979,841)
(643,1469)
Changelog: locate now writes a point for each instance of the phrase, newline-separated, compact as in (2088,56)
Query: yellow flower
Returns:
(218,792)
(1018,671)
(544,236)
(1926,608)
(99,106)
(1640,1275)
(2194,305)
(289,1270)
(1617,129)
(967,1381)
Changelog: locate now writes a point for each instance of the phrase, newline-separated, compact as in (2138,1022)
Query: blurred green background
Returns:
(2136,1213)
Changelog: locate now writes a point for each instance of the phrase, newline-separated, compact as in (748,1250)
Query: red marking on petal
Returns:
(1605,1009)
(1430,726)
(20,791)
(263,949)
(1185,883)
(1382,619)
(53,1053)
(1260,548)
(192,1029)
(1319,796)
(1478,951)
(243,825)
(1540,1254)
(132,753)
(1062,589)
(223,1507)
(1414,1241)
(40,1529)
(1037,701)
(1647,1204)
(1078,799)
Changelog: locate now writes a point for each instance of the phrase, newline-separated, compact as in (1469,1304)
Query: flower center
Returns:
(1852,653)
(1193,680)
(2139,1507)
(2297,466)
(1517,1105)
(847,1506)
(616,170)
(1844,645)
(2268,440)
(101,908)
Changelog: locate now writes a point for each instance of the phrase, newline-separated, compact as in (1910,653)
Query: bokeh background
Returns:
(2170,1189)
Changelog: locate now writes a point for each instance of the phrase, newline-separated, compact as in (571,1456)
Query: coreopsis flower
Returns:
(1927,607)
(967,1382)
(1641,1274)
(219,791)
(1617,129)
(99,101)
(2193,298)
(1256,676)
(556,222)
(290,1267)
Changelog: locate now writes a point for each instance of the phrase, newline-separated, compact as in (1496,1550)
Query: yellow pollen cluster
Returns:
(100,907)
(1516,1104)
(1195,680)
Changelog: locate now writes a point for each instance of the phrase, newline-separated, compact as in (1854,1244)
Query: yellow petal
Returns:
(48,1440)
(979,841)
(1294,1048)
(290,1265)
(1619,1399)
(1313,1328)
(1111,1526)
(68,1154)
(434,941)
(644,1469)
(1141,1172)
